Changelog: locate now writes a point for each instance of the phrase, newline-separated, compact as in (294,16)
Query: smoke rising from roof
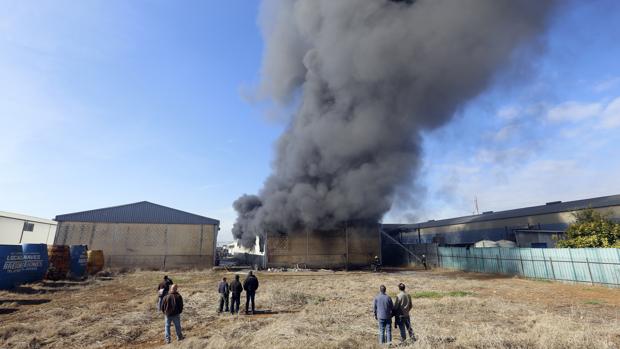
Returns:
(369,77)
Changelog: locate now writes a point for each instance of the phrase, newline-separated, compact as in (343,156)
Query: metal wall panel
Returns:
(354,248)
(152,246)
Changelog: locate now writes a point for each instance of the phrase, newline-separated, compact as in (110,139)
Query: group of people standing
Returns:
(250,285)
(385,309)
(170,302)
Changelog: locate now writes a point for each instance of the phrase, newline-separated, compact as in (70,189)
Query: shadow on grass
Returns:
(30,290)
(268,312)
(25,301)
(7,311)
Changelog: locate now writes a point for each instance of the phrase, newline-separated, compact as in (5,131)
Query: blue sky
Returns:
(110,102)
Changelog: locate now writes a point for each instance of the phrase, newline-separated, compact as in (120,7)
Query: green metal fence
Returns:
(583,265)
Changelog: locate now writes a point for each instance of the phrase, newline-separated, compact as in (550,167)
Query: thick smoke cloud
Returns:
(368,77)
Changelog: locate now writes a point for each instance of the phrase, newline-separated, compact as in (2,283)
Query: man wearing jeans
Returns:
(223,290)
(383,314)
(172,307)
(402,306)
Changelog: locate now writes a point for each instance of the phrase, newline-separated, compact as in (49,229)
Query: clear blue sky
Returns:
(110,102)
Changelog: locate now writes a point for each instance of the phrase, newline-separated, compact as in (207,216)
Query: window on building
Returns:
(28,226)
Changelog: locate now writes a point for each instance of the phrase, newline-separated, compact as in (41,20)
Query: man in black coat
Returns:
(250,285)
(235,289)
(162,290)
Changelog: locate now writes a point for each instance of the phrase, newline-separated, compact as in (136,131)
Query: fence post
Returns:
(545,262)
(533,265)
(617,272)
(589,271)
(572,262)
(498,267)
(521,260)
(453,265)
(499,257)
(552,270)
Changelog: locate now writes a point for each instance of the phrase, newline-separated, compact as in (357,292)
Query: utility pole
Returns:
(476,210)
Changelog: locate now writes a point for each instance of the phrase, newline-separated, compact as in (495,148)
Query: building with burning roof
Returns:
(143,235)
(349,247)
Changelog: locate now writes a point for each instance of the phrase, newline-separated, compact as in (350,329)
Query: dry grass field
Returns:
(313,310)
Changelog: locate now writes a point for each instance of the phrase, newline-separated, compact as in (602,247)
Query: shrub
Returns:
(591,229)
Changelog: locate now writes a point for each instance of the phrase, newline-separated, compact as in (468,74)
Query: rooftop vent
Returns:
(553,202)
(487,212)
(431,220)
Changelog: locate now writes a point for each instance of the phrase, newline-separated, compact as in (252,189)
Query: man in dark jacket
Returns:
(235,288)
(172,307)
(162,290)
(250,285)
(383,307)
(402,307)
(223,290)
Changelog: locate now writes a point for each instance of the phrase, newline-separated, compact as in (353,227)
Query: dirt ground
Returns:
(313,310)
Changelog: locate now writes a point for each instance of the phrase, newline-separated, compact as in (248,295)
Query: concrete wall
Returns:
(157,246)
(11,226)
(353,248)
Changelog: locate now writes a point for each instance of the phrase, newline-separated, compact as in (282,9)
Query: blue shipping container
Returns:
(11,265)
(79,261)
(35,262)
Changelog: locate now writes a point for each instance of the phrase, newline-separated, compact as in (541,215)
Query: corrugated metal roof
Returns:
(552,207)
(139,212)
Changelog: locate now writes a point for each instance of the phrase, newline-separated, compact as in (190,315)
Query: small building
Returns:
(537,226)
(143,235)
(18,228)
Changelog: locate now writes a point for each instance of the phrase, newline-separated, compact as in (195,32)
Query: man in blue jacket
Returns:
(383,314)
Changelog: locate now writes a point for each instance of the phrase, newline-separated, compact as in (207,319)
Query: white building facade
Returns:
(18,228)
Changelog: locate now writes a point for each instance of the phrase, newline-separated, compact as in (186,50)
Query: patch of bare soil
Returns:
(313,310)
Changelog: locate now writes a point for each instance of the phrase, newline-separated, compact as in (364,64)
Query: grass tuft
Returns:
(594,302)
(427,294)
(460,293)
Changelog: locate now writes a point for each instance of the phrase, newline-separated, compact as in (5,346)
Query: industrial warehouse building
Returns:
(350,247)
(537,226)
(143,235)
(18,228)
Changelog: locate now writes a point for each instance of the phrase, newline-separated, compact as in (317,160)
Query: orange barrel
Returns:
(59,262)
(95,261)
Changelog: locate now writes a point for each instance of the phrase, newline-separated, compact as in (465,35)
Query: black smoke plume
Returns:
(367,77)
